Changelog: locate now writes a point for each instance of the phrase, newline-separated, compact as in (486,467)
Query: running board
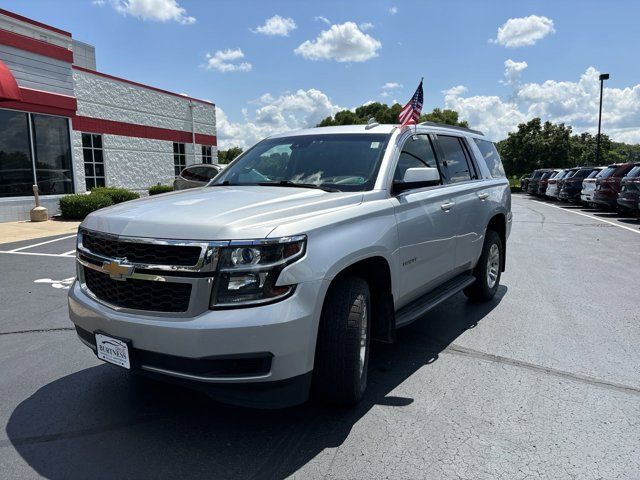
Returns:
(416,309)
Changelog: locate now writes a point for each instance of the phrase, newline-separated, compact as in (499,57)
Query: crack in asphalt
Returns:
(39,330)
(469,352)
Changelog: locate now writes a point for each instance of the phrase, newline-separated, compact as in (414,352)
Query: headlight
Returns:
(248,271)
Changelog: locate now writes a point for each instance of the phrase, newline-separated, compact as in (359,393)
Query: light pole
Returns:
(603,77)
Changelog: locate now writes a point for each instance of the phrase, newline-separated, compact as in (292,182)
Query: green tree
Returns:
(446,116)
(536,145)
(384,113)
(225,156)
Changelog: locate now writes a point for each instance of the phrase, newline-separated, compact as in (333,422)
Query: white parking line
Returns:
(37,254)
(69,253)
(590,216)
(41,243)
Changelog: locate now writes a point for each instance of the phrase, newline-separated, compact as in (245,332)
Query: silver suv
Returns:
(271,282)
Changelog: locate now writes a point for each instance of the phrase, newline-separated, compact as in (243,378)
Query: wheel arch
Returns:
(376,271)
(498,223)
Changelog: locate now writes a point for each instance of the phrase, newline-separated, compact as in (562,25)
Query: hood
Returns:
(218,213)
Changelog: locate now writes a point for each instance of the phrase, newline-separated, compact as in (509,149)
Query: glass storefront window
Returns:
(16,170)
(53,154)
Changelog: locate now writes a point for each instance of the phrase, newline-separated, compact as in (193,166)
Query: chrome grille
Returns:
(138,294)
(168,277)
(146,253)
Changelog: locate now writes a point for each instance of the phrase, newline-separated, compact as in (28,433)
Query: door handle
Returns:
(483,195)
(447,206)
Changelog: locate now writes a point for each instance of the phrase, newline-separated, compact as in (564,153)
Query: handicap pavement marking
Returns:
(63,284)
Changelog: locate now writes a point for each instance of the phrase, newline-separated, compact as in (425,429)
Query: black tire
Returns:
(339,375)
(481,290)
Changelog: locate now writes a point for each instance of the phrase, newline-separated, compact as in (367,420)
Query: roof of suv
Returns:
(376,128)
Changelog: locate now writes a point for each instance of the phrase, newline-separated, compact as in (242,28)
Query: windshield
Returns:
(345,162)
(582,173)
(607,172)
(595,173)
(634,172)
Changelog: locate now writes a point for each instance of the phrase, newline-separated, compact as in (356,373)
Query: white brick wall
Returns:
(131,162)
(107,99)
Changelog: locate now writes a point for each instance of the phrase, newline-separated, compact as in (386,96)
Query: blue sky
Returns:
(554,52)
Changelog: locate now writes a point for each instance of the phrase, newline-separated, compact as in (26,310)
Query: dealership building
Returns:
(68,127)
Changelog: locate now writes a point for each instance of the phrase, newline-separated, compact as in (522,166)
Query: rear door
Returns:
(426,225)
(468,194)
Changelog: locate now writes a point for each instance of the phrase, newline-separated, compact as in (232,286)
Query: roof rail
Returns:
(455,127)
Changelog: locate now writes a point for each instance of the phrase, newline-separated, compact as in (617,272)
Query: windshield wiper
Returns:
(289,183)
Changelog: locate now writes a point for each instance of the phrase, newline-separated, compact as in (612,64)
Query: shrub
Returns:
(157,189)
(76,207)
(117,195)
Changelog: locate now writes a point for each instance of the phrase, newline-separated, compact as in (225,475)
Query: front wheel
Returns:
(342,349)
(488,270)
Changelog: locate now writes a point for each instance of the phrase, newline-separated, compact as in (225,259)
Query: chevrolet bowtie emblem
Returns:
(116,269)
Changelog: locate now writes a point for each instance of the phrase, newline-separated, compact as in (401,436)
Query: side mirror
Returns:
(417,178)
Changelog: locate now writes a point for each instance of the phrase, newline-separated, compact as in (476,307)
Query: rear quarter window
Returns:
(491,158)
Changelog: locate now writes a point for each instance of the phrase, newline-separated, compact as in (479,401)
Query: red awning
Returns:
(8,86)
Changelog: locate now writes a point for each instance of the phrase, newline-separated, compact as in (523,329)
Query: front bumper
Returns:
(586,196)
(629,202)
(285,332)
(605,198)
(570,195)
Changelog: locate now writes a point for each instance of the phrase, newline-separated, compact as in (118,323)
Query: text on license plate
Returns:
(112,350)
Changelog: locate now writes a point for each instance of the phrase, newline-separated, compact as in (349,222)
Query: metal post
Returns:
(603,77)
(193,130)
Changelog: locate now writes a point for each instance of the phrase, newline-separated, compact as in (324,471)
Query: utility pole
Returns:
(603,77)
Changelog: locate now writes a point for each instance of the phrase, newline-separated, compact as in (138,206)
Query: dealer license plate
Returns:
(113,350)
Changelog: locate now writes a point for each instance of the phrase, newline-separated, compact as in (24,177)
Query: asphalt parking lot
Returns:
(542,382)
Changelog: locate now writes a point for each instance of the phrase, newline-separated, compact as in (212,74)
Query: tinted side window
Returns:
(416,153)
(207,173)
(491,158)
(454,159)
(189,174)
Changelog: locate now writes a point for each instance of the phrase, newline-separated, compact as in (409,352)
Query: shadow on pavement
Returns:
(103,423)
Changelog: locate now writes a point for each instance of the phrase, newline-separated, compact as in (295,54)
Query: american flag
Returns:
(410,113)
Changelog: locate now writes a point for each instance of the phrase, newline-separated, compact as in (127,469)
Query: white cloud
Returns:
(322,19)
(226,61)
(276,26)
(364,26)
(152,10)
(455,91)
(573,103)
(300,109)
(524,31)
(343,43)
(393,10)
(391,86)
(512,71)
(99,3)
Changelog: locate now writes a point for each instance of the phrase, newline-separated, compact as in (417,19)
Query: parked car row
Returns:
(615,186)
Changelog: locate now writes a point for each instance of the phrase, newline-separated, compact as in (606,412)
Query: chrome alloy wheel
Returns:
(493,265)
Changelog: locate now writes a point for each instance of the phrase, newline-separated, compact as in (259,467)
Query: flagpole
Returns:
(415,130)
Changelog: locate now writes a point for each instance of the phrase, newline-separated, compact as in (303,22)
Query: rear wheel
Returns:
(488,270)
(342,349)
